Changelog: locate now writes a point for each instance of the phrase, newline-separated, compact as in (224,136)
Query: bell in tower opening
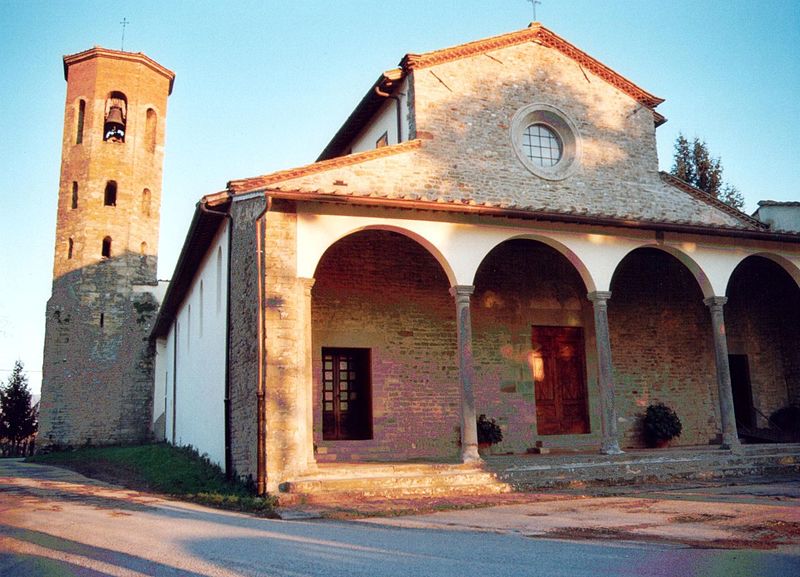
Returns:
(116,114)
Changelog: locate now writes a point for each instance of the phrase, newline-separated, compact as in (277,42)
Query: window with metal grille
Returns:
(346,394)
(541,145)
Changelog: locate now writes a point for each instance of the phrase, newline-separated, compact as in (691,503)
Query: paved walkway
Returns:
(54,522)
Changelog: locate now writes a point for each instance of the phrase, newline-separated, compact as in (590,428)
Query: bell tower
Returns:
(97,370)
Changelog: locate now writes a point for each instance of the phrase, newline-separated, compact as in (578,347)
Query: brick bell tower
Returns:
(98,362)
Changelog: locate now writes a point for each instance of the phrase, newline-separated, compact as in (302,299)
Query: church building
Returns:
(488,233)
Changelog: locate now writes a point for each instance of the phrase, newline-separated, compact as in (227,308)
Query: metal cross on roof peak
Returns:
(125,22)
(533,5)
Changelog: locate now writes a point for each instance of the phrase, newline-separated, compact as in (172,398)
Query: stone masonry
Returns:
(98,360)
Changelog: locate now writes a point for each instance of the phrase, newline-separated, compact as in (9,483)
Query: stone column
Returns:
(305,365)
(469,427)
(730,438)
(605,373)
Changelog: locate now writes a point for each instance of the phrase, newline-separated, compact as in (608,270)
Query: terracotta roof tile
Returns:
(541,35)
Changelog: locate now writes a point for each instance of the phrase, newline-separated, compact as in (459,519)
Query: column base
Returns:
(611,447)
(469,454)
(732,444)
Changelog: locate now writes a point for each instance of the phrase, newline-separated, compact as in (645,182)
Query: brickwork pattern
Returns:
(383,291)
(519,285)
(662,347)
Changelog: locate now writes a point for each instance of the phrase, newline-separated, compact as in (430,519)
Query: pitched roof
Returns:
(395,174)
(536,33)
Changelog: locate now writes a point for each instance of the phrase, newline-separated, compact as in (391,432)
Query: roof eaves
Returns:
(467,206)
(541,35)
(250,184)
(362,113)
(96,51)
(204,226)
(710,199)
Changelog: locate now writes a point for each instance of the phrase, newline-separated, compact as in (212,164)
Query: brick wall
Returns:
(383,291)
(662,347)
(762,317)
(521,284)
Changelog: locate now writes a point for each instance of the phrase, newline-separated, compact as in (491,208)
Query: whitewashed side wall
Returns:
(385,121)
(190,378)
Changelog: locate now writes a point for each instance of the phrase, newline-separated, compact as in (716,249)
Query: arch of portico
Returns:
(460,247)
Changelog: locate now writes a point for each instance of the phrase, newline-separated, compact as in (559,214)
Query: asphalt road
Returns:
(54,522)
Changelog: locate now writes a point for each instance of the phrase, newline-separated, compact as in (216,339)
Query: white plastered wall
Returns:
(385,121)
(190,373)
(460,247)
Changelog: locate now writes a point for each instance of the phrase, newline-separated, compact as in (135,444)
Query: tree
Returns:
(18,420)
(694,164)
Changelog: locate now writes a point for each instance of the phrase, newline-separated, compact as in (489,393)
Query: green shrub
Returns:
(489,432)
(787,419)
(660,424)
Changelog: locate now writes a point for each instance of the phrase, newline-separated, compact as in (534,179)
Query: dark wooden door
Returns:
(346,395)
(742,390)
(559,374)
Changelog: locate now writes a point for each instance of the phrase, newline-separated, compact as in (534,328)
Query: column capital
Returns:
(307,284)
(462,290)
(712,302)
(599,296)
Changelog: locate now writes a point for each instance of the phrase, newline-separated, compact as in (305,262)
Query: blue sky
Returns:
(264,85)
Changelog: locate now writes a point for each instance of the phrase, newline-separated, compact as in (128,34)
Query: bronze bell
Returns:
(114,128)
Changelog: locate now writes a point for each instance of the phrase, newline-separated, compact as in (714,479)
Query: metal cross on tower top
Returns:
(533,5)
(125,22)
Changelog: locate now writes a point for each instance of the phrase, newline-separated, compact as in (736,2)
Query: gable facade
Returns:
(379,301)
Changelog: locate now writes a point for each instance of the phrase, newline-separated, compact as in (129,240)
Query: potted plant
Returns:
(660,424)
(489,432)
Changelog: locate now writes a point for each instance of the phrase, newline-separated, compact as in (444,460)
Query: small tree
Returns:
(694,164)
(18,420)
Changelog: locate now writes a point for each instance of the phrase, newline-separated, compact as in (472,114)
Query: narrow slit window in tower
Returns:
(102,320)
(70,246)
(143,248)
(110,196)
(146,202)
(106,247)
(151,123)
(81,116)
(116,115)
(74,194)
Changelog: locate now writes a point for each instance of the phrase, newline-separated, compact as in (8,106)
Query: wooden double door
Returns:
(559,374)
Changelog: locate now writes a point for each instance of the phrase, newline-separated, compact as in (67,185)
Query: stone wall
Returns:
(243,326)
(662,347)
(98,361)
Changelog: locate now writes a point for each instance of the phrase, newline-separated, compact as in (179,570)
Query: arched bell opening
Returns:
(115,117)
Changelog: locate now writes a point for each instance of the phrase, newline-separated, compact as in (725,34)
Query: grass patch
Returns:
(176,471)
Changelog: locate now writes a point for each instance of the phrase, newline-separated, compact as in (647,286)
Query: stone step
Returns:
(407,484)
(651,469)
(367,470)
